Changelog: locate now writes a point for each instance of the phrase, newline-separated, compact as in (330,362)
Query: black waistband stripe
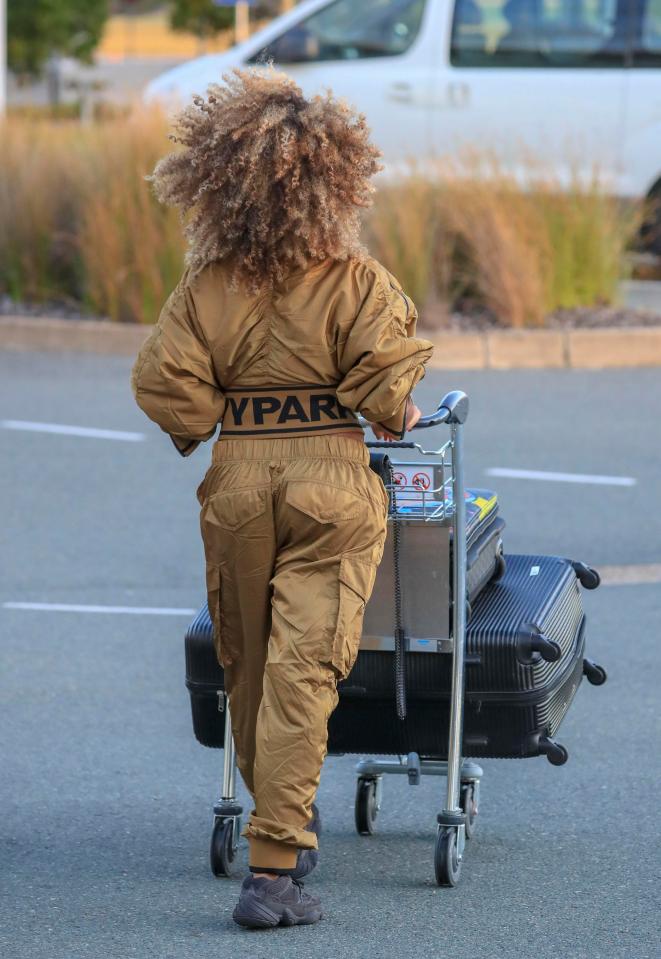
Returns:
(285,409)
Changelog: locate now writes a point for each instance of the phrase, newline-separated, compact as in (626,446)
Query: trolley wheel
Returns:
(469,806)
(222,852)
(501,567)
(366,809)
(447,864)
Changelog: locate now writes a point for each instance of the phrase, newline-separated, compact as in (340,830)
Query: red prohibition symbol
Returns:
(421,480)
(400,479)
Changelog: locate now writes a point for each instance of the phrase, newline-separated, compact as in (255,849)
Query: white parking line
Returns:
(64,430)
(131,610)
(594,479)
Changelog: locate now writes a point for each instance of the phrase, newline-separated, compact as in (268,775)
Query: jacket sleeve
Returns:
(173,378)
(380,357)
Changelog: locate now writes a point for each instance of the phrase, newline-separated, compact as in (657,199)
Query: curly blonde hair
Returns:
(268,180)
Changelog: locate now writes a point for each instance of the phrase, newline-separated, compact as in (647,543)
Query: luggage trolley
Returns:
(411,502)
(424,494)
(526,639)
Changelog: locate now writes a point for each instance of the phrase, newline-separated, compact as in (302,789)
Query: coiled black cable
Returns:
(400,645)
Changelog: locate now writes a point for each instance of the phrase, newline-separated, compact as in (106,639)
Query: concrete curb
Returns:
(22,333)
(594,349)
(504,350)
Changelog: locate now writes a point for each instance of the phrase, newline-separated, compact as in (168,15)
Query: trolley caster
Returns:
(556,754)
(595,674)
(588,577)
(469,803)
(447,858)
(368,803)
(224,845)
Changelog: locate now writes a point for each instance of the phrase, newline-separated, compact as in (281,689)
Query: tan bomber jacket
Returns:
(343,324)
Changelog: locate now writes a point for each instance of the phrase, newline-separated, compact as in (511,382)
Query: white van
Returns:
(575,82)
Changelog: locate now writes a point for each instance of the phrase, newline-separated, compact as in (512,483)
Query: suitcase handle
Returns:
(453,408)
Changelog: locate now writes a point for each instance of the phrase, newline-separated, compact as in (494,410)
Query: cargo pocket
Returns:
(233,509)
(324,502)
(223,649)
(356,581)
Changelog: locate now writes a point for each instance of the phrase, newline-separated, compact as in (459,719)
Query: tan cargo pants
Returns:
(293,532)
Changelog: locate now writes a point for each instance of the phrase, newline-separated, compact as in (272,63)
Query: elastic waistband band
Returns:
(292,447)
(284,411)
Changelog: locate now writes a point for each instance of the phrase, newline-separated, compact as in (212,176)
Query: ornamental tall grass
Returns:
(79,225)
(521,248)
(131,246)
(78,222)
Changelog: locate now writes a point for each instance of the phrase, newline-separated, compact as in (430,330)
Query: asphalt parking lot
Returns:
(106,796)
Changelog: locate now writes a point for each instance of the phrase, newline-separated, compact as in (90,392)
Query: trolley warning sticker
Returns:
(417,484)
(422,480)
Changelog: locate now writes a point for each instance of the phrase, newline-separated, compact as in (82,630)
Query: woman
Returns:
(281,329)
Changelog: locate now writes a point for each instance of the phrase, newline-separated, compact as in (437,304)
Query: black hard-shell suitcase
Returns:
(525,645)
(524,662)
(205,682)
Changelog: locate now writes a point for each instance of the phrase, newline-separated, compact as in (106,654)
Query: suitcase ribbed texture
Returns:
(493,728)
(549,600)
(508,703)
(483,560)
(200,629)
(204,679)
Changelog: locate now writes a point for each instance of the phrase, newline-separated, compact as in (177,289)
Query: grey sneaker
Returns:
(267,903)
(308,858)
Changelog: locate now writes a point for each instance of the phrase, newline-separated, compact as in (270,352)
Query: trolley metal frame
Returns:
(456,821)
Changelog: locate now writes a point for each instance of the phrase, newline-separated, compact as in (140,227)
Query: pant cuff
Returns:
(271,855)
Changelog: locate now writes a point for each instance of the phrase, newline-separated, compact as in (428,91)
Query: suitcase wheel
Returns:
(224,844)
(368,803)
(595,674)
(589,578)
(556,754)
(447,864)
(501,567)
(468,802)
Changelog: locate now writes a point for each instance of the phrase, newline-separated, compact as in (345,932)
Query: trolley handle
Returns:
(453,408)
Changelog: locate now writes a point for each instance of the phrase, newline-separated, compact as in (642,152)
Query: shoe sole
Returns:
(270,920)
